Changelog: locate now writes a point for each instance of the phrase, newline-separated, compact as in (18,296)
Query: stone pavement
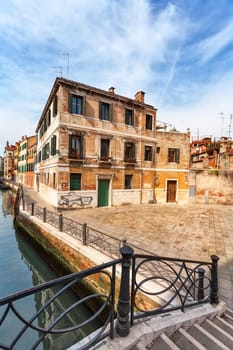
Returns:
(182,231)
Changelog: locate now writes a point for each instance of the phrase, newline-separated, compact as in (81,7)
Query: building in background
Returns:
(30,161)
(9,161)
(172,166)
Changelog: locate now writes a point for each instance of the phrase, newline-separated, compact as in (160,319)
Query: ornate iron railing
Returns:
(42,324)
(103,242)
(172,283)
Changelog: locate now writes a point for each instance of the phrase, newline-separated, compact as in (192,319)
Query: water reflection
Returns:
(28,263)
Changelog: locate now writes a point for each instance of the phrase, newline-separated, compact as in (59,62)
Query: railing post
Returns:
(123,306)
(23,200)
(201,273)
(33,208)
(44,214)
(60,222)
(214,280)
(84,234)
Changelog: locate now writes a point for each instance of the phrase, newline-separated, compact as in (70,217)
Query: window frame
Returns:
(173,155)
(76,153)
(105,111)
(129,116)
(79,175)
(148,153)
(149,122)
(104,153)
(128,183)
(74,106)
(130,152)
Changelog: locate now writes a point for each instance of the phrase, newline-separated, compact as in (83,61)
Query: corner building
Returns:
(95,147)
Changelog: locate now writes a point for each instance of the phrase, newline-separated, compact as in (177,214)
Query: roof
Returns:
(77,85)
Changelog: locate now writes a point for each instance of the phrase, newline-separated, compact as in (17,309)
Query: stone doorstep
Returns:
(146,330)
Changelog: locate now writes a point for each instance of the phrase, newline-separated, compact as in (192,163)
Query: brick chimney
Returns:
(111,89)
(139,96)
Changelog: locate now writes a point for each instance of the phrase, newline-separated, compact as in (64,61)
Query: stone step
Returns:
(163,342)
(186,341)
(218,332)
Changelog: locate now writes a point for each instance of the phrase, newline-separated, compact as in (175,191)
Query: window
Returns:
(76,104)
(45,152)
(54,180)
(55,106)
(148,153)
(75,182)
(105,111)
(173,155)
(149,121)
(129,117)
(128,181)
(130,152)
(76,147)
(53,145)
(104,149)
(157,149)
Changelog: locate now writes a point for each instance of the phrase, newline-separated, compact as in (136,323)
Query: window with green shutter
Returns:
(105,111)
(75,182)
(173,155)
(76,104)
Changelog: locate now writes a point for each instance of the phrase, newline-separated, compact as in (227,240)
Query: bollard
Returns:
(44,214)
(123,306)
(33,208)
(214,280)
(201,274)
(60,222)
(23,203)
(84,234)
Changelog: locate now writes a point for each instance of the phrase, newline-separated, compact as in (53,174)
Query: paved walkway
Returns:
(184,231)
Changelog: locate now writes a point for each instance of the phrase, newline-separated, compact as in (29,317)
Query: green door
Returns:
(103,191)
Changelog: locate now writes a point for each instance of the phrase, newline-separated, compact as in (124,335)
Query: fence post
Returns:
(44,214)
(60,222)
(84,234)
(123,306)
(201,273)
(33,208)
(214,280)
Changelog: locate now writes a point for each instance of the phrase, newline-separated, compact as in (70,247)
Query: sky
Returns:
(179,52)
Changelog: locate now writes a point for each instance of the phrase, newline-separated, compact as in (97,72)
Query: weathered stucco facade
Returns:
(96,144)
(172,167)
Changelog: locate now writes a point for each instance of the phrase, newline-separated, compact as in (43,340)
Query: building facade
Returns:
(172,167)
(9,161)
(30,161)
(97,144)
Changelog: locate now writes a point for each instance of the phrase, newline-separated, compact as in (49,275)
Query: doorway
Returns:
(103,193)
(171,190)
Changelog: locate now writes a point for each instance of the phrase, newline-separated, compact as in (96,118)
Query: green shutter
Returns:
(75,182)
(177,155)
(100,105)
(133,151)
(81,146)
(110,111)
(84,106)
(70,103)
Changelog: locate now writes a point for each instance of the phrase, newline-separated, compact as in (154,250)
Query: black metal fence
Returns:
(171,284)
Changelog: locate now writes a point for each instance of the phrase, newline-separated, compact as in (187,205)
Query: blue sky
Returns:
(179,52)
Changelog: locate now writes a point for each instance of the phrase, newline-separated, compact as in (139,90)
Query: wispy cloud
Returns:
(129,44)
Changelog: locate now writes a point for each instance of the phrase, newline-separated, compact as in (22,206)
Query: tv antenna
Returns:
(229,126)
(59,69)
(66,54)
(222,122)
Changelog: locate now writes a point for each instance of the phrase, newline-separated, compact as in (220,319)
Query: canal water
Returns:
(22,266)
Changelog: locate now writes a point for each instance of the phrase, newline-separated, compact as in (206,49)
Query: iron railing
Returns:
(187,284)
(172,283)
(42,324)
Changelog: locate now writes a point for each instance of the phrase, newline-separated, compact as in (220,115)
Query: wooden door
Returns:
(103,193)
(171,190)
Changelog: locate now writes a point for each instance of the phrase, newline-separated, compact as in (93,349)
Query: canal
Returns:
(23,265)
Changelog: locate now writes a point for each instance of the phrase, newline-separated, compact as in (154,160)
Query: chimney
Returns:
(139,96)
(111,89)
